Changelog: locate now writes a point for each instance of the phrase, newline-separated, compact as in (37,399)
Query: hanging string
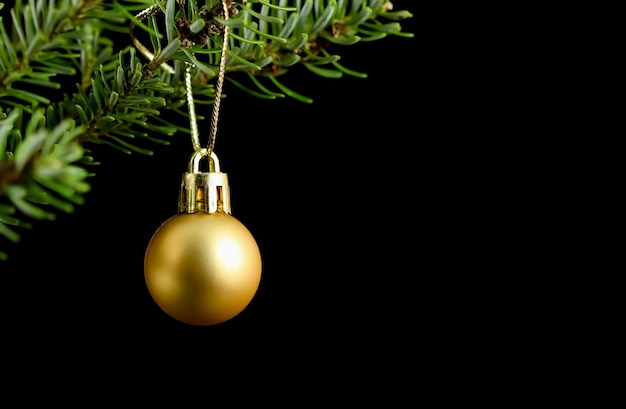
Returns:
(195,139)
(193,122)
(191,107)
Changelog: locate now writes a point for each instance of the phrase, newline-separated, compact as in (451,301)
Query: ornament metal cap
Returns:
(204,191)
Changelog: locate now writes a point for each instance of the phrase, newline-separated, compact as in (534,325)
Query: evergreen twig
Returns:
(66,83)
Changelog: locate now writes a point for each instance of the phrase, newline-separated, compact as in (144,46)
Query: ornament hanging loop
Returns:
(194,162)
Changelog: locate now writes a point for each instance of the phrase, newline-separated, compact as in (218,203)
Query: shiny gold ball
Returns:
(202,268)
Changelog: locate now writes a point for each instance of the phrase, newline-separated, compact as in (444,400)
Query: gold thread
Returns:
(195,138)
(220,83)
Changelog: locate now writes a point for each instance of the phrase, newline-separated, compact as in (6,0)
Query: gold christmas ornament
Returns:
(203,266)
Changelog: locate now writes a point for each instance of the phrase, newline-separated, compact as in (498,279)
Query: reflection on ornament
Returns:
(203,266)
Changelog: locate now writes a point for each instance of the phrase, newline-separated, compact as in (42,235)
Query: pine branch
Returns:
(129,101)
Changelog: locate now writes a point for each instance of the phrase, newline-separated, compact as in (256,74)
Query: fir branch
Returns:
(119,105)
(38,170)
(129,101)
(267,39)
(44,43)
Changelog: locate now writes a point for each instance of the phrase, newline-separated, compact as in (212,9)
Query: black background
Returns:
(342,195)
